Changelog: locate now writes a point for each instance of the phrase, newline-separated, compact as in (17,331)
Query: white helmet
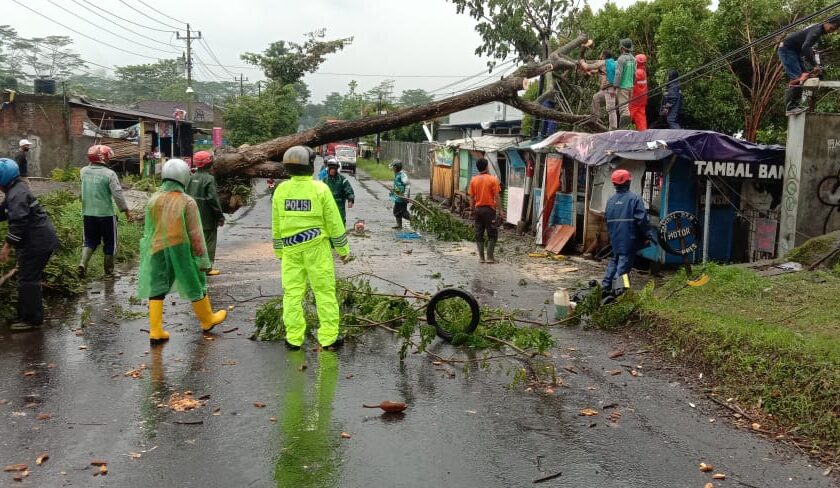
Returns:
(24,142)
(176,170)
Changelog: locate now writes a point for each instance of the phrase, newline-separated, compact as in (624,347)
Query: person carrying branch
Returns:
(605,67)
(33,236)
(305,225)
(173,254)
(485,200)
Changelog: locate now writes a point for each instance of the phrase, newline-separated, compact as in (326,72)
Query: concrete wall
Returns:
(811,192)
(42,120)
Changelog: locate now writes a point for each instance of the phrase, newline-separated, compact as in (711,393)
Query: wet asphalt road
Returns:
(463,429)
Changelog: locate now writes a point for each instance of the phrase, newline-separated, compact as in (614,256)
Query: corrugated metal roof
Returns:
(84,102)
(485,143)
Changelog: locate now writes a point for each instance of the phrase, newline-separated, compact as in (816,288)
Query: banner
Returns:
(444,156)
(217,137)
(131,134)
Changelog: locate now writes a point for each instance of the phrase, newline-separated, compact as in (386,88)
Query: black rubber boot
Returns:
(491,248)
(480,246)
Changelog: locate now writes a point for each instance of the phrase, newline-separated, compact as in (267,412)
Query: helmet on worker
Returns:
(176,170)
(100,154)
(202,159)
(620,177)
(641,60)
(396,165)
(299,161)
(9,171)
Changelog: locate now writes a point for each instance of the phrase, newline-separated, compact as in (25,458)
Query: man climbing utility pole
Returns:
(797,55)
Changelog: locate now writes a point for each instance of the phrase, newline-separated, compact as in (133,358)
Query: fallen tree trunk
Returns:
(255,160)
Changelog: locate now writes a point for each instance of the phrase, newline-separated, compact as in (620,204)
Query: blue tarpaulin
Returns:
(655,144)
(515,159)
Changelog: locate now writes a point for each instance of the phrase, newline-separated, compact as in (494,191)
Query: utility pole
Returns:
(189,38)
(378,134)
(241,81)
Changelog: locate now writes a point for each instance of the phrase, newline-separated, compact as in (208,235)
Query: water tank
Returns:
(45,86)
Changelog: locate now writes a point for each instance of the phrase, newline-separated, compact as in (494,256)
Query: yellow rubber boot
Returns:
(214,272)
(205,314)
(156,332)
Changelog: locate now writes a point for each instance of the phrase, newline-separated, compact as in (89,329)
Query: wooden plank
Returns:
(559,235)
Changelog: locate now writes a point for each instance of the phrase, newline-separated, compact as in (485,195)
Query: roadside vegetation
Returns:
(61,278)
(770,344)
(380,172)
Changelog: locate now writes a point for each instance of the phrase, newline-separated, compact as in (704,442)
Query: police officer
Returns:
(33,236)
(304,222)
(627,223)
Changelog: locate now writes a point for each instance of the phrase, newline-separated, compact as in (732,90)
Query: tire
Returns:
(445,294)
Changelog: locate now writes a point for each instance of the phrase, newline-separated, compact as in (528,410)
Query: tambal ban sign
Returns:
(679,232)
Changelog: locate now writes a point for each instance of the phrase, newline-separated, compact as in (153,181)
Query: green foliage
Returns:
(287,62)
(531,95)
(147,184)
(251,120)
(513,28)
(615,315)
(429,218)
(25,59)
(69,174)
(60,275)
(236,191)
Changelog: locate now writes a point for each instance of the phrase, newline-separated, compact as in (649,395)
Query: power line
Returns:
(207,69)
(124,19)
(120,25)
(472,86)
(110,31)
(480,73)
(144,14)
(83,34)
(158,11)
(209,50)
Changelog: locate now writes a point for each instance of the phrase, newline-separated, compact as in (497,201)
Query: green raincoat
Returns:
(342,192)
(173,254)
(202,187)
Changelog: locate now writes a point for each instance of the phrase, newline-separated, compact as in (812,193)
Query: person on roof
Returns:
(638,100)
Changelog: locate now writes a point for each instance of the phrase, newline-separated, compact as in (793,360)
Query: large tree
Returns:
(287,62)
(254,119)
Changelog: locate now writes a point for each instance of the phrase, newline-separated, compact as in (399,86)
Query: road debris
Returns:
(345,435)
(15,467)
(706,467)
(229,362)
(29,373)
(43,416)
(136,373)
(182,402)
(548,478)
(259,404)
(719,476)
(588,412)
(42,459)
(616,354)
(389,406)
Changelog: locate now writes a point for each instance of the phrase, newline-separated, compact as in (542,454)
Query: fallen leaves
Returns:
(29,373)
(42,459)
(588,412)
(82,347)
(4,402)
(615,417)
(709,485)
(706,467)
(616,354)
(43,416)
(98,462)
(272,419)
(614,372)
(719,476)
(229,362)
(756,426)
(217,411)
(15,467)
(345,435)
(136,373)
(182,402)
(259,404)
(21,475)
(302,367)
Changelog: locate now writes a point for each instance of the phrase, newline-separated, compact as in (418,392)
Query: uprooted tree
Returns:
(260,160)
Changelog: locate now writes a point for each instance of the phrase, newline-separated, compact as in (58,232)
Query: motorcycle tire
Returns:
(446,294)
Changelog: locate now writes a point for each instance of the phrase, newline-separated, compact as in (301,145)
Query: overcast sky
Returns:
(419,43)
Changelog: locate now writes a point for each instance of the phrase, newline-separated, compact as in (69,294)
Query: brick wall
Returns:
(42,120)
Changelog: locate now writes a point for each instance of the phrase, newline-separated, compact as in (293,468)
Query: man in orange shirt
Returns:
(484,192)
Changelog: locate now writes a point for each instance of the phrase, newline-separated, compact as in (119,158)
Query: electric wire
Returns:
(124,19)
(161,13)
(213,56)
(83,34)
(110,31)
(120,25)
(470,77)
(476,84)
(144,14)
(203,65)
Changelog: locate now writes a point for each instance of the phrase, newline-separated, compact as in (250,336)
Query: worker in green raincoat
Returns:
(202,187)
(173,254)
(340,188)
(305,225)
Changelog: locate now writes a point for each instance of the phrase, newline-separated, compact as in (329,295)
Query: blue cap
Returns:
(8,171)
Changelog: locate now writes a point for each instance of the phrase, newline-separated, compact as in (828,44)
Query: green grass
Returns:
(772,343)
(379,171)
